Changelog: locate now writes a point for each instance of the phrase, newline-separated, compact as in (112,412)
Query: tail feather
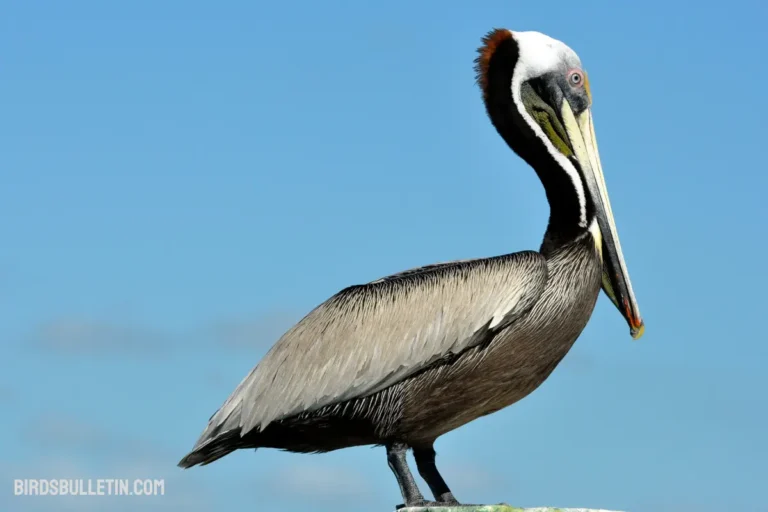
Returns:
(220,438)
(212,450)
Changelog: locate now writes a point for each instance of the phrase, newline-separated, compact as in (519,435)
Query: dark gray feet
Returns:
(425,462)
(426,503)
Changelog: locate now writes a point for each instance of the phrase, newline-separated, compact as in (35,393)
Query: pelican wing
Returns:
(368,337)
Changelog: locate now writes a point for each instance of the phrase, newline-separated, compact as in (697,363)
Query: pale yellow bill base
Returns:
(616,282)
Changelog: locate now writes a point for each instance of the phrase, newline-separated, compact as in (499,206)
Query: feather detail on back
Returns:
(368,337)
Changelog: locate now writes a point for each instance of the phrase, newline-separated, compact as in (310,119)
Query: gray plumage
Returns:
(371,344)
(368,337)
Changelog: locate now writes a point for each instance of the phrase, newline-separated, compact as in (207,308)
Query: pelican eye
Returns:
(576,78)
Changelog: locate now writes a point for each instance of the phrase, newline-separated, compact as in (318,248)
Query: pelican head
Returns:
(537,95)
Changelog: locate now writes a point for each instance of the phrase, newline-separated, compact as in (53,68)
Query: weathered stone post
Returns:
(494,508)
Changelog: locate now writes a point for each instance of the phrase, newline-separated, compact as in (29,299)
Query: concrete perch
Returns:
(494,508)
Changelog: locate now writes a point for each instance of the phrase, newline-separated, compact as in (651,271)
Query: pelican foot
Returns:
(424,504)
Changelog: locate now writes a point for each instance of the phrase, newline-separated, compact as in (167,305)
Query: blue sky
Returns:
(182,180)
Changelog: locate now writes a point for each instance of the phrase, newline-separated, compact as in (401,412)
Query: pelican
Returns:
(402,360)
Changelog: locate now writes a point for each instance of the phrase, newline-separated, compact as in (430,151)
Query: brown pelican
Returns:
(404,359)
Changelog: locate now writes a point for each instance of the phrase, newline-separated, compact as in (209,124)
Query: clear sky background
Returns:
(180,181)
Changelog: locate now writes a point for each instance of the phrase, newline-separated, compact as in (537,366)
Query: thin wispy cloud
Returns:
(83,336)
(64,434)
(258,333)
(94,337)
(324,483)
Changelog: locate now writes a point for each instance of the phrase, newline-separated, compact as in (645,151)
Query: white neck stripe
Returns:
(520,73)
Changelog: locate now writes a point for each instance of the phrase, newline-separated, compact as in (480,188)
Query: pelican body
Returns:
(404,359)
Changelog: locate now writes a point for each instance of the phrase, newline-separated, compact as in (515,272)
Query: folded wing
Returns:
(368,337)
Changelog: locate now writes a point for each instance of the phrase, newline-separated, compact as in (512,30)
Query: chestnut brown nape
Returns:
(491,41)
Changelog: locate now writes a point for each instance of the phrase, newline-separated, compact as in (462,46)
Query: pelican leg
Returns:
(396,457)
(425,462)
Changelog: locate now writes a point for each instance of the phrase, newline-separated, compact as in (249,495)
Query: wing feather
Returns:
(368,337)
